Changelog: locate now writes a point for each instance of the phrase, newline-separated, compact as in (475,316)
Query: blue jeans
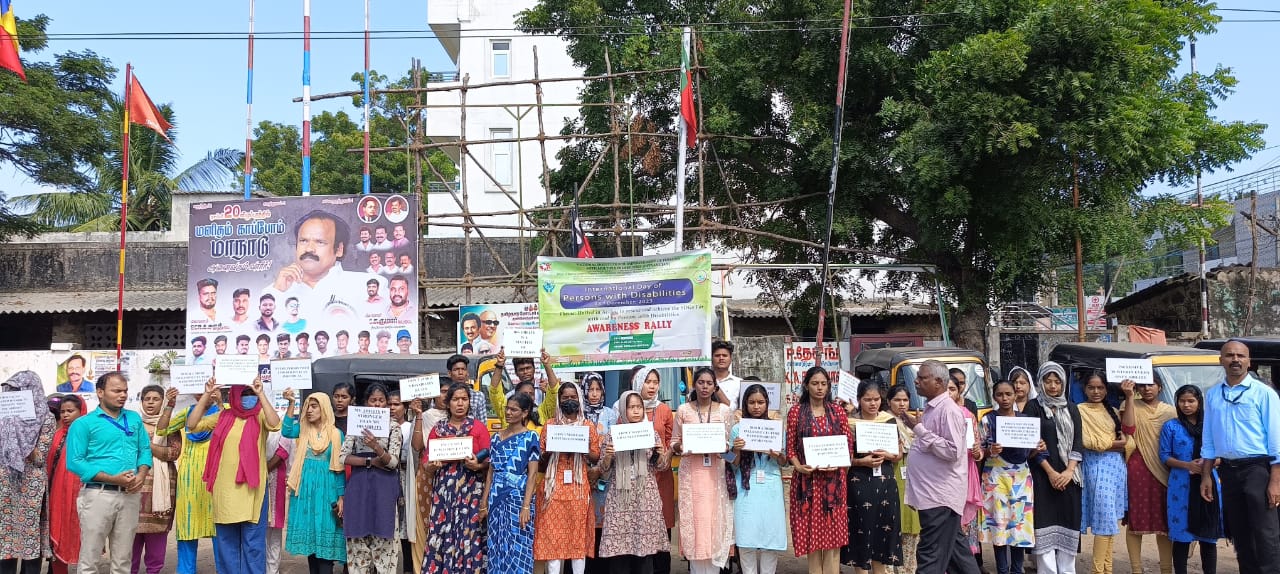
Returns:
(241,548)
(1009,559)
(187,551)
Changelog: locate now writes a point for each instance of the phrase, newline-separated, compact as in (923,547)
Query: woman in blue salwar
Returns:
(515,451)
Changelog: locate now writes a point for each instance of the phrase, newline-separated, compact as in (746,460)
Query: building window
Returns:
(500,51)
(501,160)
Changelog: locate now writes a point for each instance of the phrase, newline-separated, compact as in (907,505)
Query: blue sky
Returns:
(204,79)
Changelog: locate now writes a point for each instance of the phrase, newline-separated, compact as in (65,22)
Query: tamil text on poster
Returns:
(801,356)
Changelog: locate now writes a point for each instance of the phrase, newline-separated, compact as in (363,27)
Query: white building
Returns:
(480,38)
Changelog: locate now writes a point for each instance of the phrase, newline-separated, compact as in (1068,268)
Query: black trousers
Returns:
(1254,526)
(319,565)
(943,549)
(10,566)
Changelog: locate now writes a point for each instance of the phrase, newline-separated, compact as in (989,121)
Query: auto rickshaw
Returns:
(1173,366)
(899,365)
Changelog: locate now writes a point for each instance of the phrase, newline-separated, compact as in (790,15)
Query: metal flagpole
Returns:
(248,118)
(366,97)
(124,212)
(306,97)
(838,125)
(1204,281)
(680,143)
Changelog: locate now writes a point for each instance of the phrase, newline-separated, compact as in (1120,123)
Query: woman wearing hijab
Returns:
(236,474)
(648,382)
(566,524)
(193,517)
(632,525)
(1143,416)
(706,509)
(64,488)
(24,447)
(1056,473)
(317,483)
(155,517)
(458,504)
(1023,390)
(1191,518)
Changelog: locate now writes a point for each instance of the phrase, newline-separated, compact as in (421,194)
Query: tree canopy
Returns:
(967,124)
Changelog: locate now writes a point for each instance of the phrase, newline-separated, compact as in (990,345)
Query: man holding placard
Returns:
(937,478)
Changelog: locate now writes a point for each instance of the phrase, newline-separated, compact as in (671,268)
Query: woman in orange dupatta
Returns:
(64,487)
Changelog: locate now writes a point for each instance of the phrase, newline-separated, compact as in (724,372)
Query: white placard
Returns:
(1137,370)
(91,400)
(774,390)
(631,436)
(703,438)
(760,435)
(847,388)
(236,370)
(20,404)
(190,379)
(568,438)
(870,437)
(518,342)
(442,449)
(826,451)
(422,387)
(970,439)
(1018,432)
(376,420)
(291,374)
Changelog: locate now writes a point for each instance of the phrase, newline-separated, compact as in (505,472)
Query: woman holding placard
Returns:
(566,524)
(758,533)
(604,417)
(516,451)
(875,538)
(372,495)
(648,382)
(317,483)
(1106,496)
(632,527)
(819,500)
(1055,473)
(706,515)
(193,517)
(1142,417)
(458,505)
(1008,501)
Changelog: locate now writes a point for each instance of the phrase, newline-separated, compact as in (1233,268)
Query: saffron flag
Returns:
(687,114)
(9,59)
(142,111)
(581,247)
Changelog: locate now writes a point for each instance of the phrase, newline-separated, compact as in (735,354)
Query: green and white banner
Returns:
(615,313)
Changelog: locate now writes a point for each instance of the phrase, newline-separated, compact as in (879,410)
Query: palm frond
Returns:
(216,172)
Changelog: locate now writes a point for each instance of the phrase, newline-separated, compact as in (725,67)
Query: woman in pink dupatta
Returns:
(973,496)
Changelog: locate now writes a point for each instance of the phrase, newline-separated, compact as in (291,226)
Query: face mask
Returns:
(570,407)
(248,402)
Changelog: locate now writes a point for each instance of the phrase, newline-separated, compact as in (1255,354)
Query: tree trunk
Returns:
(969,330)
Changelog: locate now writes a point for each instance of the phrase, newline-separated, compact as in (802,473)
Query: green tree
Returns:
(967,123)
(153,178)
(335,168)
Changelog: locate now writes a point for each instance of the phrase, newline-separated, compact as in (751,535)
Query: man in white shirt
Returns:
(721,363)
(316,278)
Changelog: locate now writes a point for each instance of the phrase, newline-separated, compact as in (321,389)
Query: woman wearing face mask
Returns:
(64,488)
(648,383)
(604,417)
(317,484)
(632,527)
(563,532)
(155,518)
(372,495)
(1056,473)
(819,500)
(193,517)
(706,512)
(24,447)
(1142,416)
(236,474)
(458,503)
(1191,518)
(758,532)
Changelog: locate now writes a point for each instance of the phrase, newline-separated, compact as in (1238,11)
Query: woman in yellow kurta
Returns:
(565,528)
(193,515)
(236,474)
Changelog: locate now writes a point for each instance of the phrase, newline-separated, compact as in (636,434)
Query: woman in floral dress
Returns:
(633,532)
(456,541)
(24,446)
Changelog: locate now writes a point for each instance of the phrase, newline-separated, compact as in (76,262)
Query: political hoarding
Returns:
(800,356)
(603,314)
(481,327)
(302,277)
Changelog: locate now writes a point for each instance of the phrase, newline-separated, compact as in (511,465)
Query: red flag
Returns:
(581,247)
(687,109)
(143,112)
(9,59)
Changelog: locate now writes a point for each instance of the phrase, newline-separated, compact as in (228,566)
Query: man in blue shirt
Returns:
(111,453)
(1242,433)
(75,377)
